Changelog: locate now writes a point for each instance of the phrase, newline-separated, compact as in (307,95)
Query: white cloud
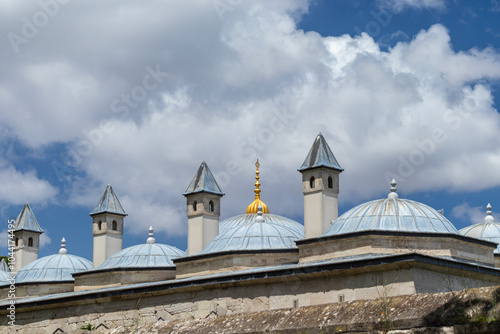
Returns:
(45,239)
(19,187)
(473,215)
(250,86)
(398,6)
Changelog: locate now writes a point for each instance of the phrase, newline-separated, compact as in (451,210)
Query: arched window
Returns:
(30,242)
(17,241)
(330,182)
(99,225)
(211,206)
(311,182)
(114,225)
(195,204)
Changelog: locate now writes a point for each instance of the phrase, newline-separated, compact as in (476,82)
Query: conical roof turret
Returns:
(203,181)
(27,221)
(108,203)
(320,155)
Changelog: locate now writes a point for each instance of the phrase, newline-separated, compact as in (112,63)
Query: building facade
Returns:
(256,261)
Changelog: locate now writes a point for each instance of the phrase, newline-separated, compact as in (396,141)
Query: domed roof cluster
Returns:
(146,255)
(256,232)
(52,268)
(488,230)
(392,214)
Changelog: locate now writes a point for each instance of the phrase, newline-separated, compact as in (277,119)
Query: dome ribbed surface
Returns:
(143,256)
(235,221)
(245,232)
(58,267)
(4,277)
(485,231)
(392,215)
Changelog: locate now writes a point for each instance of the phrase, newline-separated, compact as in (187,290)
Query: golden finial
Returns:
(253,207)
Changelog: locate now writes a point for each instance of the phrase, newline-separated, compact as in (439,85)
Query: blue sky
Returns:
(139,94)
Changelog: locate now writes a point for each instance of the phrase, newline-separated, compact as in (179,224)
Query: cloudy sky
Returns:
(138,94)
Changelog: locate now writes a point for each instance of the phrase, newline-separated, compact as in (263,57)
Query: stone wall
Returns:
(128,308)
(467,311)
(375,242)
(107,278)
(232,261)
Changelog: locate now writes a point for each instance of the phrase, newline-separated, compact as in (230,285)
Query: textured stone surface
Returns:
(467,311)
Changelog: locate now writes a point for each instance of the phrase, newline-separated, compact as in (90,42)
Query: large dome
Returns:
(392,214)
(488,230)
(255,232)
(58,267)
(146,255)
(244,219)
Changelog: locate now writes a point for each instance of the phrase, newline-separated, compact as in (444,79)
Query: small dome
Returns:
(52,268)
(487,230)
(392,214)
(255,232)
(146,255)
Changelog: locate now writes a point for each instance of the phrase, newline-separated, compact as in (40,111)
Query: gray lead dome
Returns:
(391,214)
(250,232)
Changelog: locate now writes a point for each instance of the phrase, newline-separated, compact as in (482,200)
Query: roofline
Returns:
(27,229)
(96,271)
(231,278)
(235,252)
(107,211)
(17,283)
(320,166)
(203,191)
(395,233)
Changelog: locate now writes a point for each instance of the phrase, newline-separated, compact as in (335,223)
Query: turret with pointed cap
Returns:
(107,226)
(203,209)
(320,155)
(27,238)
(108,203)
(203,181)
(320,186)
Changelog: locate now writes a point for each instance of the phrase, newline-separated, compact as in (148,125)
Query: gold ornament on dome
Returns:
(253,207)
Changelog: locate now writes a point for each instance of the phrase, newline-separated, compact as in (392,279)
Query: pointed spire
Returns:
(63,249)
(489,218)
(151,240)
(203,181)
(27,221)
(393,194)
(320,155)
(108,203)
(4,266)
(253,207)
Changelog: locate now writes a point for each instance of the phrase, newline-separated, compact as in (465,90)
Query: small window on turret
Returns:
(114,225)
(17,241)
(311,182)
(211,206)
(99,225)
(330,182)
(30,242)
(195,204)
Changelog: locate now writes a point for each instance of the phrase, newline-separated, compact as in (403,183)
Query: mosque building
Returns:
(256,261)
